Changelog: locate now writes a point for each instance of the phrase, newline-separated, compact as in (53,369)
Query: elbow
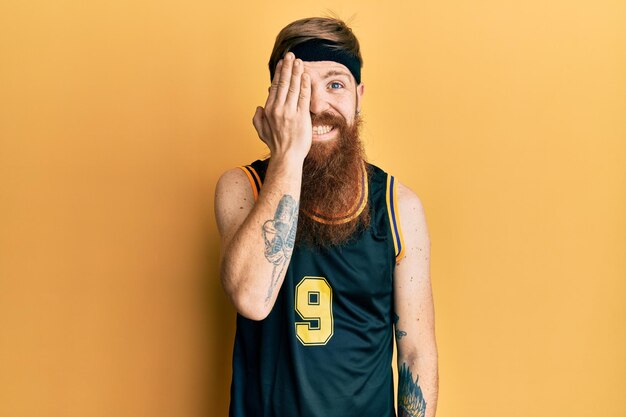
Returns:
(251,312)
(248,302)
(420,355)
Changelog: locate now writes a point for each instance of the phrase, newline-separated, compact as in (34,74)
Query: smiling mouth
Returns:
(322,130)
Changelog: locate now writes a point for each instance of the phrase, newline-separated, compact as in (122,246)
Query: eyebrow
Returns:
(336,72)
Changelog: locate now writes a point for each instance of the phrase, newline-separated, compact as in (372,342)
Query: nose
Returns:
(319,103)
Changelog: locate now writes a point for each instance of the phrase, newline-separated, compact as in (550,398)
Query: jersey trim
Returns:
(354,212)
(394,218)
(253,177)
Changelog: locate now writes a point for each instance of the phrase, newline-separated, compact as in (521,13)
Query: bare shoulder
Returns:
(412,219)
(231,180)
(234,199)
(409,203)
(407,197)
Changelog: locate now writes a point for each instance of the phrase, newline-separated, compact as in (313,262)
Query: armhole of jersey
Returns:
(253,177)
(394,218)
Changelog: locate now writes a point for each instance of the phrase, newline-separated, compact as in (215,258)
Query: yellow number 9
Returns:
(314,303)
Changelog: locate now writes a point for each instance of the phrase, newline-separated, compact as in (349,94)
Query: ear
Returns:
(360,90)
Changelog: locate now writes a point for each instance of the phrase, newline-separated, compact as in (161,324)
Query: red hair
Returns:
(329,28)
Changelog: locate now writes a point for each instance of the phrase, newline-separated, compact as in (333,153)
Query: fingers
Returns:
(293,92)
(287,90)
(304,97)
(257,121)
(271,97)
(260,124)
(285,79)
(287,107)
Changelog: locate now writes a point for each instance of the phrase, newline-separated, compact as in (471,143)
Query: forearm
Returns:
(257,249)
(255,261)
(418,383)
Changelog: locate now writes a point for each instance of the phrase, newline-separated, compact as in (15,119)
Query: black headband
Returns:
(321,50)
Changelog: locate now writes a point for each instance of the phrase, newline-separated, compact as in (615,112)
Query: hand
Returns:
(285,122)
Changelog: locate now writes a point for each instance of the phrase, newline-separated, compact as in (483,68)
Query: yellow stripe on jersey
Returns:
(354,212)
(394,218)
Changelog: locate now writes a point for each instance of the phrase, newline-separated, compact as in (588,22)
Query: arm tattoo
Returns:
(410,399)
(279,235)
(399,333)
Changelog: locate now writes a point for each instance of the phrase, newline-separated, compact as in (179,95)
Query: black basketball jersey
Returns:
(326,347)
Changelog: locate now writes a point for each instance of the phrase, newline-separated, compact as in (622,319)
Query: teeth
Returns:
(320,130)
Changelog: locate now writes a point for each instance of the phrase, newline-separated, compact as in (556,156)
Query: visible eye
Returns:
(336,85)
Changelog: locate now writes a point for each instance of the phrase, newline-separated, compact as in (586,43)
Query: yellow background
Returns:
(116,119)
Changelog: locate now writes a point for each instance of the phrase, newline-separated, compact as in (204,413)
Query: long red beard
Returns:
(332,185)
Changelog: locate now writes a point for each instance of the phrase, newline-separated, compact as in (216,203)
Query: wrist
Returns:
(287,163)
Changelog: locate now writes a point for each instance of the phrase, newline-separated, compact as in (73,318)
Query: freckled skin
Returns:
(411,397)
(413,302)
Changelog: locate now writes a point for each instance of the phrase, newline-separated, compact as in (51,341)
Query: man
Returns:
(313,254)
